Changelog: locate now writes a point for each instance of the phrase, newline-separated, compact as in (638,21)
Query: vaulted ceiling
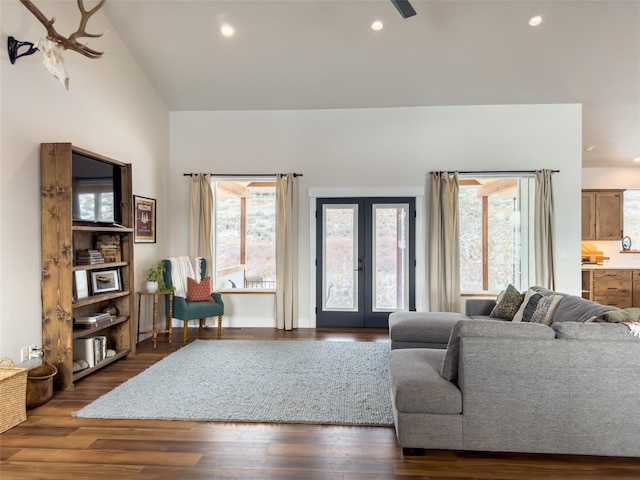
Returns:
(308,54)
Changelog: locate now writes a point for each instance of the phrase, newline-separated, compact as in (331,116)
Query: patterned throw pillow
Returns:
(518,316)
(508,304)
(540,309)
(199,292)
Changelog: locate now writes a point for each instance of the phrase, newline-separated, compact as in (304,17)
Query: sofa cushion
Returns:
(577,309)
(487,328)
(594,331)
(426,329)
(479,307)
(416,384)
(508,303)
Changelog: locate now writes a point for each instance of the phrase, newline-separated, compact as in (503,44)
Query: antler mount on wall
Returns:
(54,43)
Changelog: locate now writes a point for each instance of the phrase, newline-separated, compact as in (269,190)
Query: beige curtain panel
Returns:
(201,206)
(286,252)
(444,243)
(544,231)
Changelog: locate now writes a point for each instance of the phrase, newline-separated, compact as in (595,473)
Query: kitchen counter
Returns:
(607,267)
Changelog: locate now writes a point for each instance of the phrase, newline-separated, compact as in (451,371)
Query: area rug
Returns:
(313,382)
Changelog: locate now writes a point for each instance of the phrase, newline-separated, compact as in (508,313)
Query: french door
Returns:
(365,260)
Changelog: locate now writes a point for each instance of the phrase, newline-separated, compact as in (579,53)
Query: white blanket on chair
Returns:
(181,268)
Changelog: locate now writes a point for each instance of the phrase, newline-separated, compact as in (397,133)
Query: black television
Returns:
(97,190)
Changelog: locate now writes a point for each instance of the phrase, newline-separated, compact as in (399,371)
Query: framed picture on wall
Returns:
(144,220)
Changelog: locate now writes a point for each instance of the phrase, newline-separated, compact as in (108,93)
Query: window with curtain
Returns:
(632,217)
(496,228)
(245,229)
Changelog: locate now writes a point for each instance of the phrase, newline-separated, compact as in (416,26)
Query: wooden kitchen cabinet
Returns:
(602,214)
(587,284)
(636,288)
(613,287)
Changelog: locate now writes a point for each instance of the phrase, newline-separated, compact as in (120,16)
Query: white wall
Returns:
(377,148)
(614,178)
(110,108)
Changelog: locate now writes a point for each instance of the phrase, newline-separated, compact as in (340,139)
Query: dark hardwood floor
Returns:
(52,444)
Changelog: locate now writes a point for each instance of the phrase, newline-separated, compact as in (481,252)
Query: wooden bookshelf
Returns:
(60,240)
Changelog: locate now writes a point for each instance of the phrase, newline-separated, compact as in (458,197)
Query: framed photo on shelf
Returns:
(144,219)
(104,281)
(81,284)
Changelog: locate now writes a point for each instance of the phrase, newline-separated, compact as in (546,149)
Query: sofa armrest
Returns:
(479,306)
(218,298)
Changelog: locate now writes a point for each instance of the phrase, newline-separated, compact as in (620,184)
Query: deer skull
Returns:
(52,60)
(53,45)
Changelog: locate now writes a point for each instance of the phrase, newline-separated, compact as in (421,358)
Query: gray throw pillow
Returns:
(449,367)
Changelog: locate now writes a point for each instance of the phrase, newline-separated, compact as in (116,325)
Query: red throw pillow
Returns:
(199,292)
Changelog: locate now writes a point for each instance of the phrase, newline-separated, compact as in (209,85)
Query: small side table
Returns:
(154,331)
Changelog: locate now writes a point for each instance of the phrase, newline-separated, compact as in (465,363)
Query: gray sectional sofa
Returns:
(494,385)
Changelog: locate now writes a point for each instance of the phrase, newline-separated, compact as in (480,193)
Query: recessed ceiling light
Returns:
(535,21)
(227,30)
(377,25)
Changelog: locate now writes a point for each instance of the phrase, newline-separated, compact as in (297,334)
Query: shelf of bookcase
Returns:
(84,332)
(99,266)
(100,298)
(103,363)
(98,229)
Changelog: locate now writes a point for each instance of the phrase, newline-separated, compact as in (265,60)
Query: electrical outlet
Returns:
(35,351)
(24,354)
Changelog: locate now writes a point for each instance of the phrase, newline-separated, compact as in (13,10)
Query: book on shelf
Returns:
(93,321)
(109,248)
(99,348)
(91,349)
(89,257)
(83,349)
(94,318)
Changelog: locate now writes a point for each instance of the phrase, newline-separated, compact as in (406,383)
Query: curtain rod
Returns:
(241,174)
(502,172)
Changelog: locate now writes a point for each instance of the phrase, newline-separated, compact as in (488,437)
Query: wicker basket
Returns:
(13,395)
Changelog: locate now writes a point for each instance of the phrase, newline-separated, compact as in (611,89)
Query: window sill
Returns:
(479,294)
(247,291)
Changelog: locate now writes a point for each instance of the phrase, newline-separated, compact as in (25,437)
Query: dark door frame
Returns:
(364,317)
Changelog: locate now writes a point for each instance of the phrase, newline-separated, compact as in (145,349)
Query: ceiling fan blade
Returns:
(404,7)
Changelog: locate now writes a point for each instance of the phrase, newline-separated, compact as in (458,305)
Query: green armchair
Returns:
(186,311)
